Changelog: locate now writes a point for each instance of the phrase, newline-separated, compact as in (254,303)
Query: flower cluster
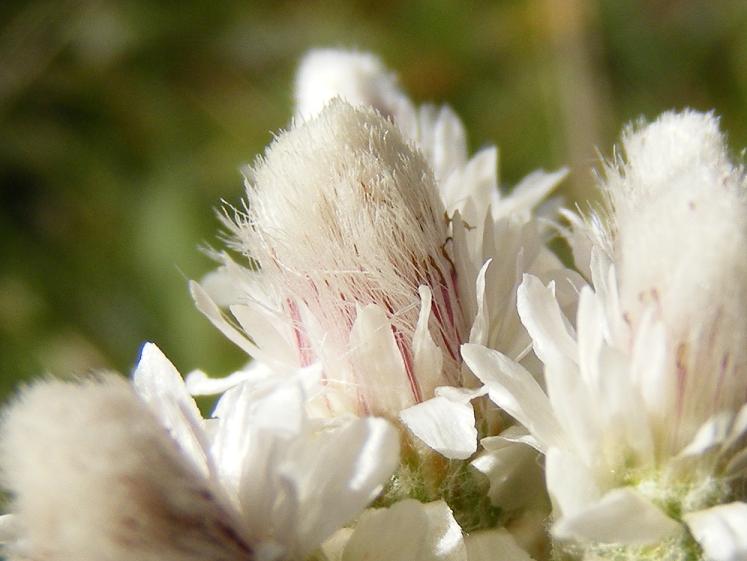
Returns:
(428,380)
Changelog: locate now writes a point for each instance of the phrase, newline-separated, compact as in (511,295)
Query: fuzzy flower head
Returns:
(377,246)
(679,242)
(643,420)
(344,222)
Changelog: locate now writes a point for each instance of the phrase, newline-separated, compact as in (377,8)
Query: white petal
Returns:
(378,364)
(494,545)
(427,357)
(510,466)
(449,142)
(721,531)
(712,433)
(570,483)
(581,244)
(575,407)
(255,372)
(199,383)
(738,428)
(444,533)
(446,426)
(334,547)
(407,531)
(738,463)
(257,426)
(159,384)
(206,305)
(223,285)
(649,366)
(520,436)
(541,315)
(530,192)
(480,332)
(590,323)
(394,534)
(460,395)
(617,396)
(471,188)
(514,389)
(622,516)
(337,474)
(260,324)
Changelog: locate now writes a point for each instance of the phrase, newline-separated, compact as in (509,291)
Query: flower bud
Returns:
(344,221)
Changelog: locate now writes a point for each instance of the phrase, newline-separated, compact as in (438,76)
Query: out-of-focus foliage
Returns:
(124,124)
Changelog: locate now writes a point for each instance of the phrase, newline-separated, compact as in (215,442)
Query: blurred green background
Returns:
(124,124)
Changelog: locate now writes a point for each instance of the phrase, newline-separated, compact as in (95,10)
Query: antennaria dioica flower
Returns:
(374,250)
(644,421)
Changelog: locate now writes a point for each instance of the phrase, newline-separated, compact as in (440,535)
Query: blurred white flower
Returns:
(99,471)
(643,420)
(359,78)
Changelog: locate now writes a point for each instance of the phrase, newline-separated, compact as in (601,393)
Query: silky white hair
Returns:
(342,212)
(678,235)
(94,477)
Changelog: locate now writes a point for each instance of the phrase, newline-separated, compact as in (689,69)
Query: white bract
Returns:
(99,471)
(643,417)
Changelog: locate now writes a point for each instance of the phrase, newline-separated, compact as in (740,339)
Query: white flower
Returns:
(376,247)
(643,420)
(345,225)
(100,473)
(379,253)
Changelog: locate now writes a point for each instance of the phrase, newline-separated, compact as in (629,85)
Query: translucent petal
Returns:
(541,315)
(514,389)
(446,426)
(160,385)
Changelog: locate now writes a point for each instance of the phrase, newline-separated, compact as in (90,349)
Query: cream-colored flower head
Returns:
(644,416)
(344,222)
(679,235)
(377,246)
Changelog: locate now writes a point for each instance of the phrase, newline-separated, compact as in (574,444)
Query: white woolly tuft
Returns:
(343,213)
(95,477)
(679,236)
(358,78)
